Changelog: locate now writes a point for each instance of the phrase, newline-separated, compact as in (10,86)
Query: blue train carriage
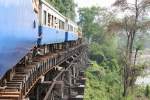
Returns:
(72,31)
(31,19)
(52,24)
(18,31)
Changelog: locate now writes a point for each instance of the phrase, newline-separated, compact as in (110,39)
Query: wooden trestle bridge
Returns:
(54,75)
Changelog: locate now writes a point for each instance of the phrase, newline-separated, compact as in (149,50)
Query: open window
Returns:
(49,19)
(61,25)
(44,17)
(55,22)
(52,22)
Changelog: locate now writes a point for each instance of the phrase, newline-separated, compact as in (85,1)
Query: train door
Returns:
(36,7)
(66,30)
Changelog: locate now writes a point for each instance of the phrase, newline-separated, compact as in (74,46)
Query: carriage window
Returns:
(70,28)
(52,21)
(55,22)
(49,19)
(44,18)
(61,24)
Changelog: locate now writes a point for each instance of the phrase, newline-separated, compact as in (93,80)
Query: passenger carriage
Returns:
(54,26)
(23,22)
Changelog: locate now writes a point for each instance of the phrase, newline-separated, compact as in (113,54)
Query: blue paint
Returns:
(71,36)
(51,35)
(17,31)
(66,36)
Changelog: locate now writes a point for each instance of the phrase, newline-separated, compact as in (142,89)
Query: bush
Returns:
(147,91)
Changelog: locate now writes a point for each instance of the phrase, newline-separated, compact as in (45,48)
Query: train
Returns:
(25,24)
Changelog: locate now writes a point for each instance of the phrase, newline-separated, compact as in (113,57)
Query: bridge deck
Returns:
(24,78)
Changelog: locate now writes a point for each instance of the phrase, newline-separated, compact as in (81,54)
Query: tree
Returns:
(87,17)
(147,91)
(93,22)
(130,25)
(69,9)
(66,7)
(104,77)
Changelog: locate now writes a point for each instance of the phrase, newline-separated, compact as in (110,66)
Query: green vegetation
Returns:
(104,77)
(147,91)
(112,75)
(66,7)
(102,83)
(112,42)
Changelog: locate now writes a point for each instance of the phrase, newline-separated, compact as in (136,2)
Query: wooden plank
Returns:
(9,93)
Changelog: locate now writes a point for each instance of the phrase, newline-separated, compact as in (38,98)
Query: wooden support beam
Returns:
(50,82)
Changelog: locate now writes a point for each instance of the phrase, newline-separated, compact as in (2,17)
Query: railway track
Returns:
(56,72)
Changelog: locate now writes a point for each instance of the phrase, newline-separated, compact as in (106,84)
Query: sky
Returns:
(100,3)
(89,3)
